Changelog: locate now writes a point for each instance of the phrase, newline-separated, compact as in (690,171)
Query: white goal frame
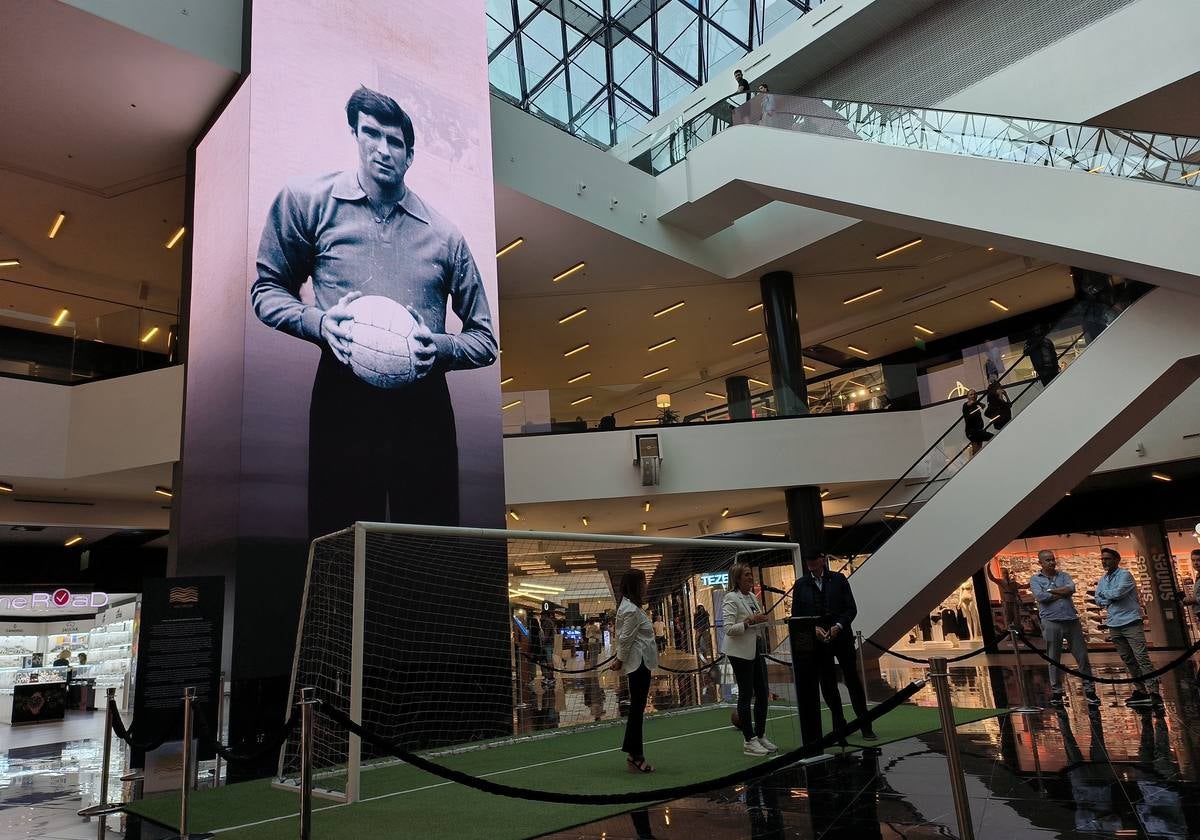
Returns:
(353,789)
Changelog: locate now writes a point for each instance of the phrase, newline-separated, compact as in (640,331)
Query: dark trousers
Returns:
(380,455)
(639,690)
(751,676)
(841,649)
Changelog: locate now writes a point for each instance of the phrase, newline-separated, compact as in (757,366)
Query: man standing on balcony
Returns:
(1052,589)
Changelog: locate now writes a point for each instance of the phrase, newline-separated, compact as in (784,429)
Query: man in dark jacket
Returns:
(826,596)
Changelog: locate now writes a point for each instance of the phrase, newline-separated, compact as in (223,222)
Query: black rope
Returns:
(546,667)
(654,795)
(918,661)
(267,747)
(786,662)
(1157,672)
(696,670)
(130,738)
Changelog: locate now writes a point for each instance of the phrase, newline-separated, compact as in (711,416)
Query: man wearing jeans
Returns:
(1053,590)
(1117,592)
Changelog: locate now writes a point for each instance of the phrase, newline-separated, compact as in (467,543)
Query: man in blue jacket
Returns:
(826,596)
(1117,592)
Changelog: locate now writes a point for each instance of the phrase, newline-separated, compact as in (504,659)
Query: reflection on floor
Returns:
(1074,773)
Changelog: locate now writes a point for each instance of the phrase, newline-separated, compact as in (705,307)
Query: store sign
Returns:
(58,599)
(715,579)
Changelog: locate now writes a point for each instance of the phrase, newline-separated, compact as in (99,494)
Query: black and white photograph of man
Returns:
(379,449)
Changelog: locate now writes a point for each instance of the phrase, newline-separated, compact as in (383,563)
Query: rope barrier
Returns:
(696,670)
(546,667)
(786,662)
(1157,672)
(654,795)
(268,746)
(127,735)
(915,660)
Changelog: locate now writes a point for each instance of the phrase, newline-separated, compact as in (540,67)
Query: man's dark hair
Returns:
(633,585)
(381,107)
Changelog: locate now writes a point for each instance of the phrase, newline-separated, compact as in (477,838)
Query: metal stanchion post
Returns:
(939,672)
(862,665)
(185,789)
(220,724)
(1024,708)
(308,701)
(103,809)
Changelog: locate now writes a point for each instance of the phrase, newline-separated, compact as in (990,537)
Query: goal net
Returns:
(443,639)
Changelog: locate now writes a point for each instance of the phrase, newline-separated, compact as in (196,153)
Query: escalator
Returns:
(1115,377)
(1120,202)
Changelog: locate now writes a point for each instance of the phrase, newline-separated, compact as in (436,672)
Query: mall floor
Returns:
(1075,773)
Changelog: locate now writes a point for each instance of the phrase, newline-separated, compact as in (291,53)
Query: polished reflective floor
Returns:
(1078,772)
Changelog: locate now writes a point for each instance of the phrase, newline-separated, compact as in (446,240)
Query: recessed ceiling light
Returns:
(747,338)
(925,330)
(670,308)
(507,380)
(1189,175)
(645,421)
(1161,476)
(644,526)
(585,522)
(573,315)
(758,382)
(660,345)
(579,266)
(56,226)
(1096,169)
(73,540)
(754,308)
(582,400)
(149,335)
(575,350)
(810,368)
(5,487)
(862,296)
(175,237)
(164,491)
(516,517)
(714,396)
(512,404)
(579,378)
(62,316)
(654,373)
(991,247)
(832,525)
(516,243)
(10,263)
(773,534)
(899,248)
(824,493)
(646,507)
(724,512)
(858,350)
(998,304)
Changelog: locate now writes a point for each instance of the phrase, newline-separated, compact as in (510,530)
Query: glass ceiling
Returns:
(599,69)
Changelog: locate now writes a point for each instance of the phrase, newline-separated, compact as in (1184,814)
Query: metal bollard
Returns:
(1024,708)
(185,791)
(939,672)
(862,665)
(308,700)
(104,808)
(220,724)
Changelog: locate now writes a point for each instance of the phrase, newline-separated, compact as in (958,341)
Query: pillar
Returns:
(737,393)
(783,343)
(806,519)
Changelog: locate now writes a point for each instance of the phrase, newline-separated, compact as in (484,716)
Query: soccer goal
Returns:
(434,637)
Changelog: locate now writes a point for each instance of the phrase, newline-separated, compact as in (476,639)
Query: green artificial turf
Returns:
(401,801)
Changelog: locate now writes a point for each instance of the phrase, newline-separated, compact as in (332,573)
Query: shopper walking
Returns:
(1117,592)
(973,423)
(595,642)
(637,656)
(827,596)
(702,623)
(660,633)
(1052,589)
(743,618)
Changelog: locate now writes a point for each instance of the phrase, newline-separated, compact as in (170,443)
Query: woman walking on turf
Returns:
(743,618)
(637,656)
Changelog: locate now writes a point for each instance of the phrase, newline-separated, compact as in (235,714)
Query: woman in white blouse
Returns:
(637,656)
(743,619)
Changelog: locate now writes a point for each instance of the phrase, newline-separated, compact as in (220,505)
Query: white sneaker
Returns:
(754,748)
(766,745)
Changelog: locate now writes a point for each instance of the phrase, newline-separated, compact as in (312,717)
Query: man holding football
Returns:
(375,454)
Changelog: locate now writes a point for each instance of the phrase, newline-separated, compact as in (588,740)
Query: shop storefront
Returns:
(60,651)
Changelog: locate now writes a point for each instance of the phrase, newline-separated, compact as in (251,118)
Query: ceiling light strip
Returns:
(862,296)
(565,273)
(516,243)
(898,249)
(669,309)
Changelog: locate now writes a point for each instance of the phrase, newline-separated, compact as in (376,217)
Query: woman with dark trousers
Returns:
(636,657)
(743,618)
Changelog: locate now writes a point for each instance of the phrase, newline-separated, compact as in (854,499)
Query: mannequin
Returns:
(970,611)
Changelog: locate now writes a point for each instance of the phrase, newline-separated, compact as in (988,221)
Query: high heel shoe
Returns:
(638,765)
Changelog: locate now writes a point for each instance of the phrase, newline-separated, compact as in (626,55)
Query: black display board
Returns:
(39,702)
(178,647)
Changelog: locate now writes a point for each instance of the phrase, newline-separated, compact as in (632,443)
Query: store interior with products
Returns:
(60,660)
